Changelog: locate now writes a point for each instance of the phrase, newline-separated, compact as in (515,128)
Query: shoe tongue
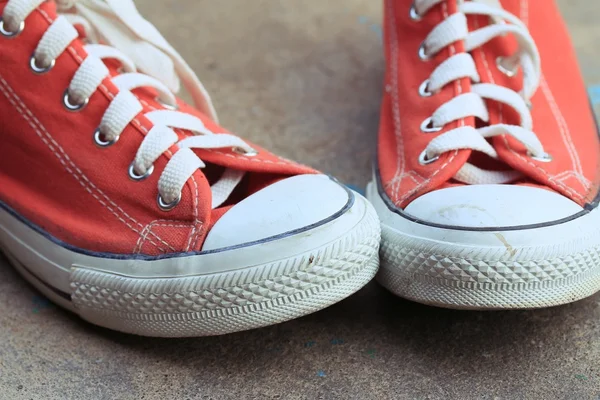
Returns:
(120,25)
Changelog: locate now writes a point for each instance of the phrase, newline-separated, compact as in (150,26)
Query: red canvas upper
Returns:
(55,176)
(562,117)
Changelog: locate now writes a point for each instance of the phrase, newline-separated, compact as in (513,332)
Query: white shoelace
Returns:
(118,23)
(462,65)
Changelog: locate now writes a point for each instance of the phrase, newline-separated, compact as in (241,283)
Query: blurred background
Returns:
(304,79)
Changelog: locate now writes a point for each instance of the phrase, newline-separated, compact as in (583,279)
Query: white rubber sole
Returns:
(258,287)
(508,269)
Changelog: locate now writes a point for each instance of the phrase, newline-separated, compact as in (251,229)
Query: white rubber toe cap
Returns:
(288,205)
(490,206)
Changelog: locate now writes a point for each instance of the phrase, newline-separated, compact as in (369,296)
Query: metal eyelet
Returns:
(33,64)
(545,158)
(134,175)
(428,127)
(423,160)
(71,106)
(424,89)
(169,107)
(167,206)
(508,72)
(100,142)
(10,34)
(423,56)
(244,152)
(414,15)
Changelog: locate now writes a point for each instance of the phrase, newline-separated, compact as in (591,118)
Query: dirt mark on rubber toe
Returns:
(511,250)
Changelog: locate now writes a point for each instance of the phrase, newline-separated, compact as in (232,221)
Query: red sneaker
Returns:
(487,177)
(104,208)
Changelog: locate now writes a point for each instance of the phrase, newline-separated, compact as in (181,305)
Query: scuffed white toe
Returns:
(285,206)
(488,247)
(481,206)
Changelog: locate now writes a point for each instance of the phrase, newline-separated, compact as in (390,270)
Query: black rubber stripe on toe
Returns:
(392,207)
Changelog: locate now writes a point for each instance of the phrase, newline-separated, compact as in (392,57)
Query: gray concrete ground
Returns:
(304,79)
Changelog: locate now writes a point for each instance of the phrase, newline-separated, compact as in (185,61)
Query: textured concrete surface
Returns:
(304,79)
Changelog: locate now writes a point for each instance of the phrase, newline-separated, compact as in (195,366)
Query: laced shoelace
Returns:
(118,23)
(472,104)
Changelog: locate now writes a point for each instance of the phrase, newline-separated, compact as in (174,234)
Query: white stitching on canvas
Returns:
(143,235)
(400,156)
(459,89)
(246,158)
(193,226)
(489,72)
(422,184)
(31,120)
(575,174)
(413,175)
(196,220)
(105,90)
(148,228)
(196,237)
(524,12)
(561,123)
(563,176)
(566,188)
(550,178)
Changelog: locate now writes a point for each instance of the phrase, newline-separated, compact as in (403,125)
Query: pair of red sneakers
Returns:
(138,212)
